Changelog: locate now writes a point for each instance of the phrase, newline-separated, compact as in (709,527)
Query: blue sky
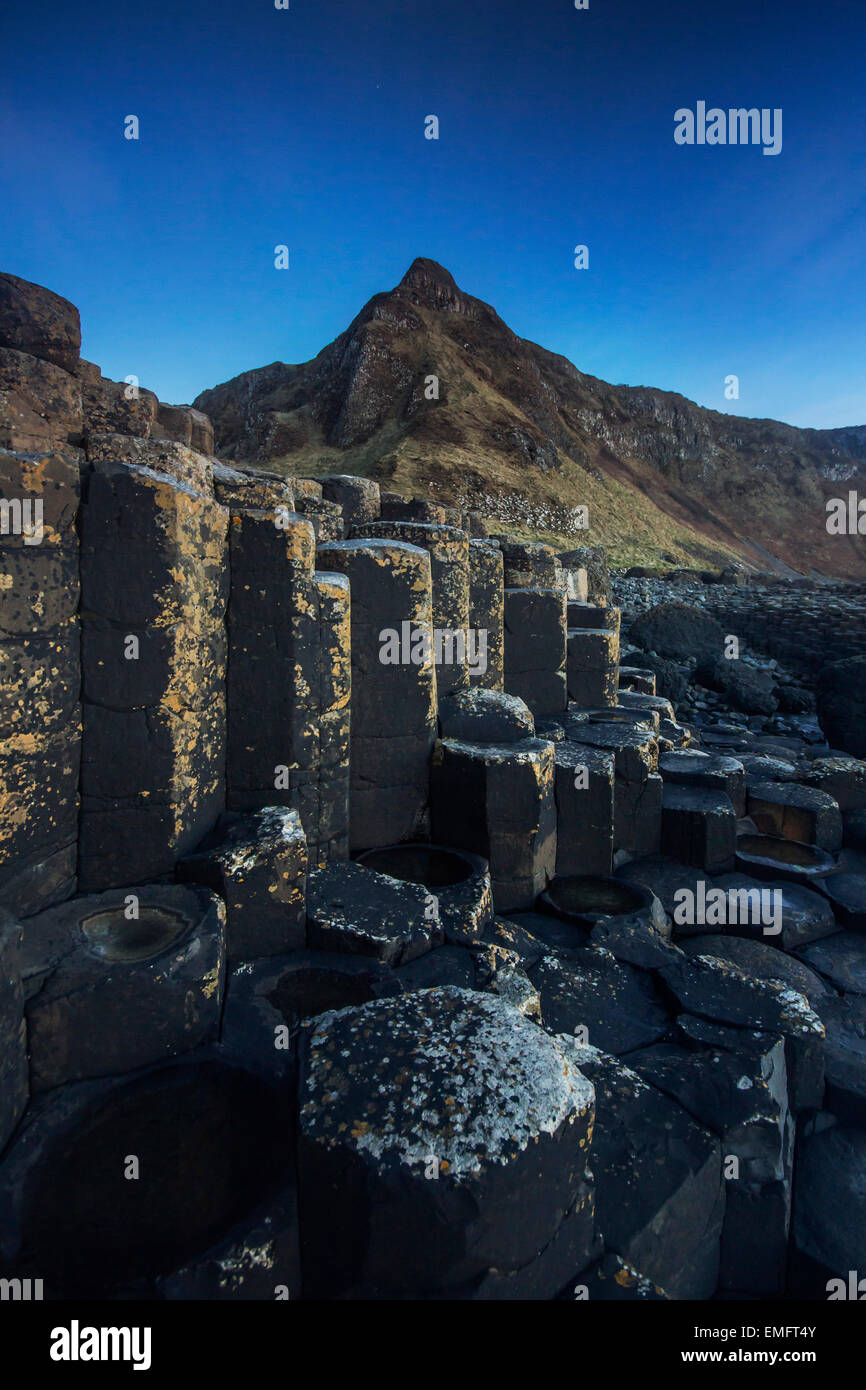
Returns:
(305,127)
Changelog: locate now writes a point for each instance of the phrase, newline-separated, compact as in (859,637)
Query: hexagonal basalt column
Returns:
(154,582)
(40,714)
(354,909)
(444,1141)
(486,611)
(593,666)
(638,787)
(211,1147)
(288,678)
(535,649)
(121,980)
(498,802)
(584,810)
(699,827)
(358,497)
(449,567)
(258,865)
(596,616)
(393,687)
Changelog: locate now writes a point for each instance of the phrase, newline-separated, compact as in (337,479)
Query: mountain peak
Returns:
(429,284)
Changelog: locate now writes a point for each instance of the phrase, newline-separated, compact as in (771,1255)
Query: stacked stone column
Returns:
(449,565)
(487,610)
(40,720)
(358,497)
(154,580)
(288,678)
(593,655)
(393,687)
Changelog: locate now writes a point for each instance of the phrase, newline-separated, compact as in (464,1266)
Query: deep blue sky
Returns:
(305,127)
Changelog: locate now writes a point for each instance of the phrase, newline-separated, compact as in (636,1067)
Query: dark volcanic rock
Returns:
(14,1080)
(798,813)
(847,895)
(660,1200)
(676,631)
(829,1225)
(122,979)
(806,915)
(425,1122)
(350,908)
(614,1007)
(842,704)
(845,1056)
(485,716)
(841,959)
(613,1279)
(724,992)
(761,960)
(258,865)
(745,689)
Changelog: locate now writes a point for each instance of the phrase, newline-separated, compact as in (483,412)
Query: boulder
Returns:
(841,699)
(678,631)
(443,1149)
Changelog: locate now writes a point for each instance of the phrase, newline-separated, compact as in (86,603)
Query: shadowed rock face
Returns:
(520,431)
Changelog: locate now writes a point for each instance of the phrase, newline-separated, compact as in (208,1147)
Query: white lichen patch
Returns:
(467,1079)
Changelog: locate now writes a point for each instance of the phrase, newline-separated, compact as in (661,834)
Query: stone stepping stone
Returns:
(763,961)
(690,768)
(353,909)
(485,716)
(798,813)
(698,827)
(617,1005)
(458,884)
(806,914)
(497,801)
(257,864)
(847,896)
(841,777)
(841,959)
(741,1098)
(721,991)
(443,1146)
(762,768)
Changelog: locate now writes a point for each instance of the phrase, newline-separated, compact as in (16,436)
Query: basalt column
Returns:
(288,678)
(358,497)
(449,565)
(40,720)
(154,581)
(592,665)
(393,687)
(486,603)
(535,649)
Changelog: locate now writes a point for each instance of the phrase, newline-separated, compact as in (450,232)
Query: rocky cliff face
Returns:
(517,429)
